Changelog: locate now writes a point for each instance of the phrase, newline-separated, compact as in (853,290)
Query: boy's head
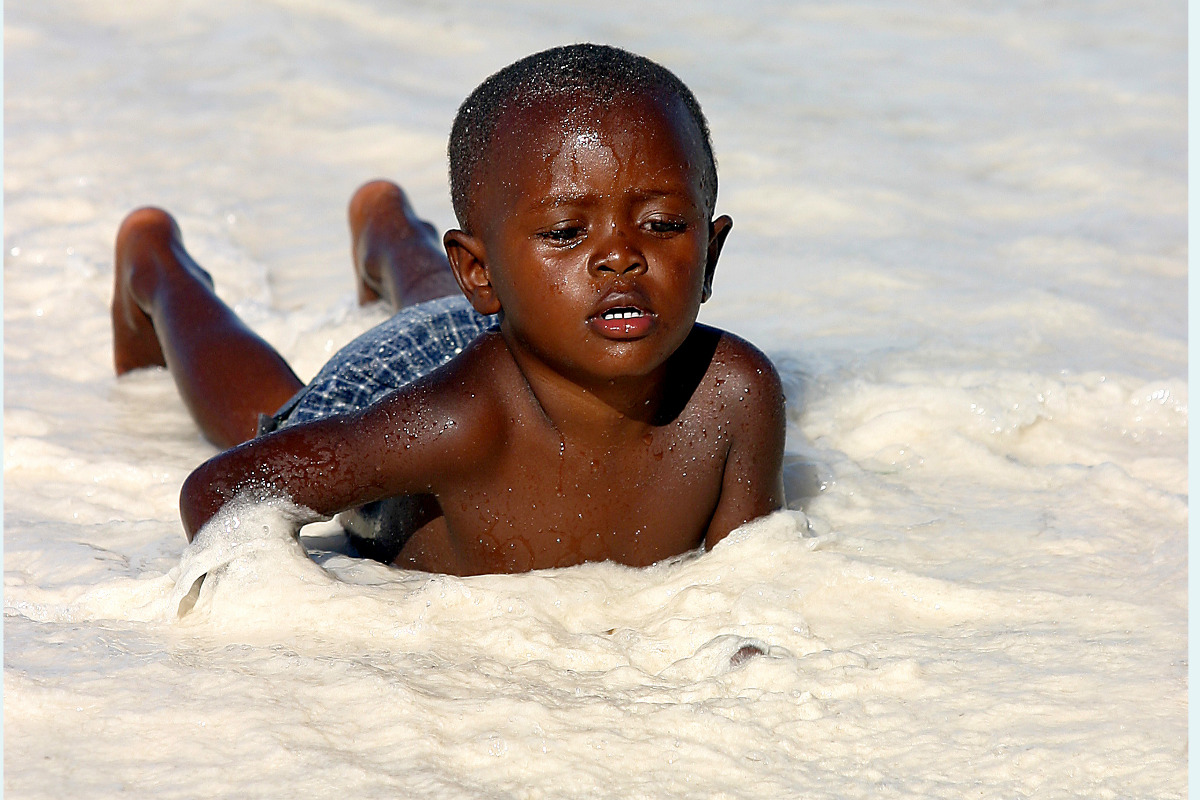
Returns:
(584,183)
(562,78)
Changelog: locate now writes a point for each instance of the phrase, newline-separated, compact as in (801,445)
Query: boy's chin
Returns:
(606,369)
(625,367)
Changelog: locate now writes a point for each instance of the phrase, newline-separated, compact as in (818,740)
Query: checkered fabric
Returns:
(413,342)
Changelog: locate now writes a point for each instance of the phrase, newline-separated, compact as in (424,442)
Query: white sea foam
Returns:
(960,234)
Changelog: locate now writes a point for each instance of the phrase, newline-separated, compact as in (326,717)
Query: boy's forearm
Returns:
(325,466)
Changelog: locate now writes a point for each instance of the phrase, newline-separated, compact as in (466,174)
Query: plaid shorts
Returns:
(412,343)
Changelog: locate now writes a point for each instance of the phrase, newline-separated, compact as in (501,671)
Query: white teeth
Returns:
(621,314)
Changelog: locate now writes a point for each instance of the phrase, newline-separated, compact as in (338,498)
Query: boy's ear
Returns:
(718,229)
(468,262)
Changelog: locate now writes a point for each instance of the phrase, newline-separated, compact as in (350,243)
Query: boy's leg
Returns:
(397,255)
(165,313)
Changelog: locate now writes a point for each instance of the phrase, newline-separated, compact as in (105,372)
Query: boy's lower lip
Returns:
(627,327)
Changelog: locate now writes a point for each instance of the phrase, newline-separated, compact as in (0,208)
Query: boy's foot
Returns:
(398,257)
(148,244)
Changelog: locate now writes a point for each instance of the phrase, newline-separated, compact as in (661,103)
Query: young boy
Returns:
(587,417)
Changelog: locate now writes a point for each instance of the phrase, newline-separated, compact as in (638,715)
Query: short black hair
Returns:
(598,71)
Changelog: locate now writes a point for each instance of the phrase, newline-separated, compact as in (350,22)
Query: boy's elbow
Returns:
(196,502)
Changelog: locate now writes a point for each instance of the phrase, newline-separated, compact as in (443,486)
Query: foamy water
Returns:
(959,232)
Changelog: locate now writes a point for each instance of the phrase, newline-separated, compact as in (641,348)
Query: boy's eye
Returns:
(663,226)
(564,234)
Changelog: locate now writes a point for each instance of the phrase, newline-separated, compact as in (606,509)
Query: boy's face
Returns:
(590,232)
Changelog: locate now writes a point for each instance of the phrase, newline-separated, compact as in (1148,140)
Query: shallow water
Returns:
(961,234)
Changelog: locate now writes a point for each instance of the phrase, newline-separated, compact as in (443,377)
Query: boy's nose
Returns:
(617,254)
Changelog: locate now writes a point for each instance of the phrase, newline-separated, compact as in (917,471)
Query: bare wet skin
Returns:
(600,422)
(548,501)
(146,239)
(397,255)
(165,313)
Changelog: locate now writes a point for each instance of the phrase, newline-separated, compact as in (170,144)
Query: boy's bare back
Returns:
(600,421)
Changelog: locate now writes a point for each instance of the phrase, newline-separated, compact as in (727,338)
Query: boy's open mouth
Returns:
(622,313)
(623,322)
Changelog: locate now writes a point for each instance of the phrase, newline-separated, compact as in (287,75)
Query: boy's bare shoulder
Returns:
(738,369)
(465,399)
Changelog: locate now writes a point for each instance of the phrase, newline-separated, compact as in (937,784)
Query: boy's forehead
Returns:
(530,133)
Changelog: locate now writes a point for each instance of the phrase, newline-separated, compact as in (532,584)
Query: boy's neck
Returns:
(628,405)
(600,409)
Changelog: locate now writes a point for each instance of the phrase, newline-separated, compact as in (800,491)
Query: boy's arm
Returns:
(752,485)
(401,445)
